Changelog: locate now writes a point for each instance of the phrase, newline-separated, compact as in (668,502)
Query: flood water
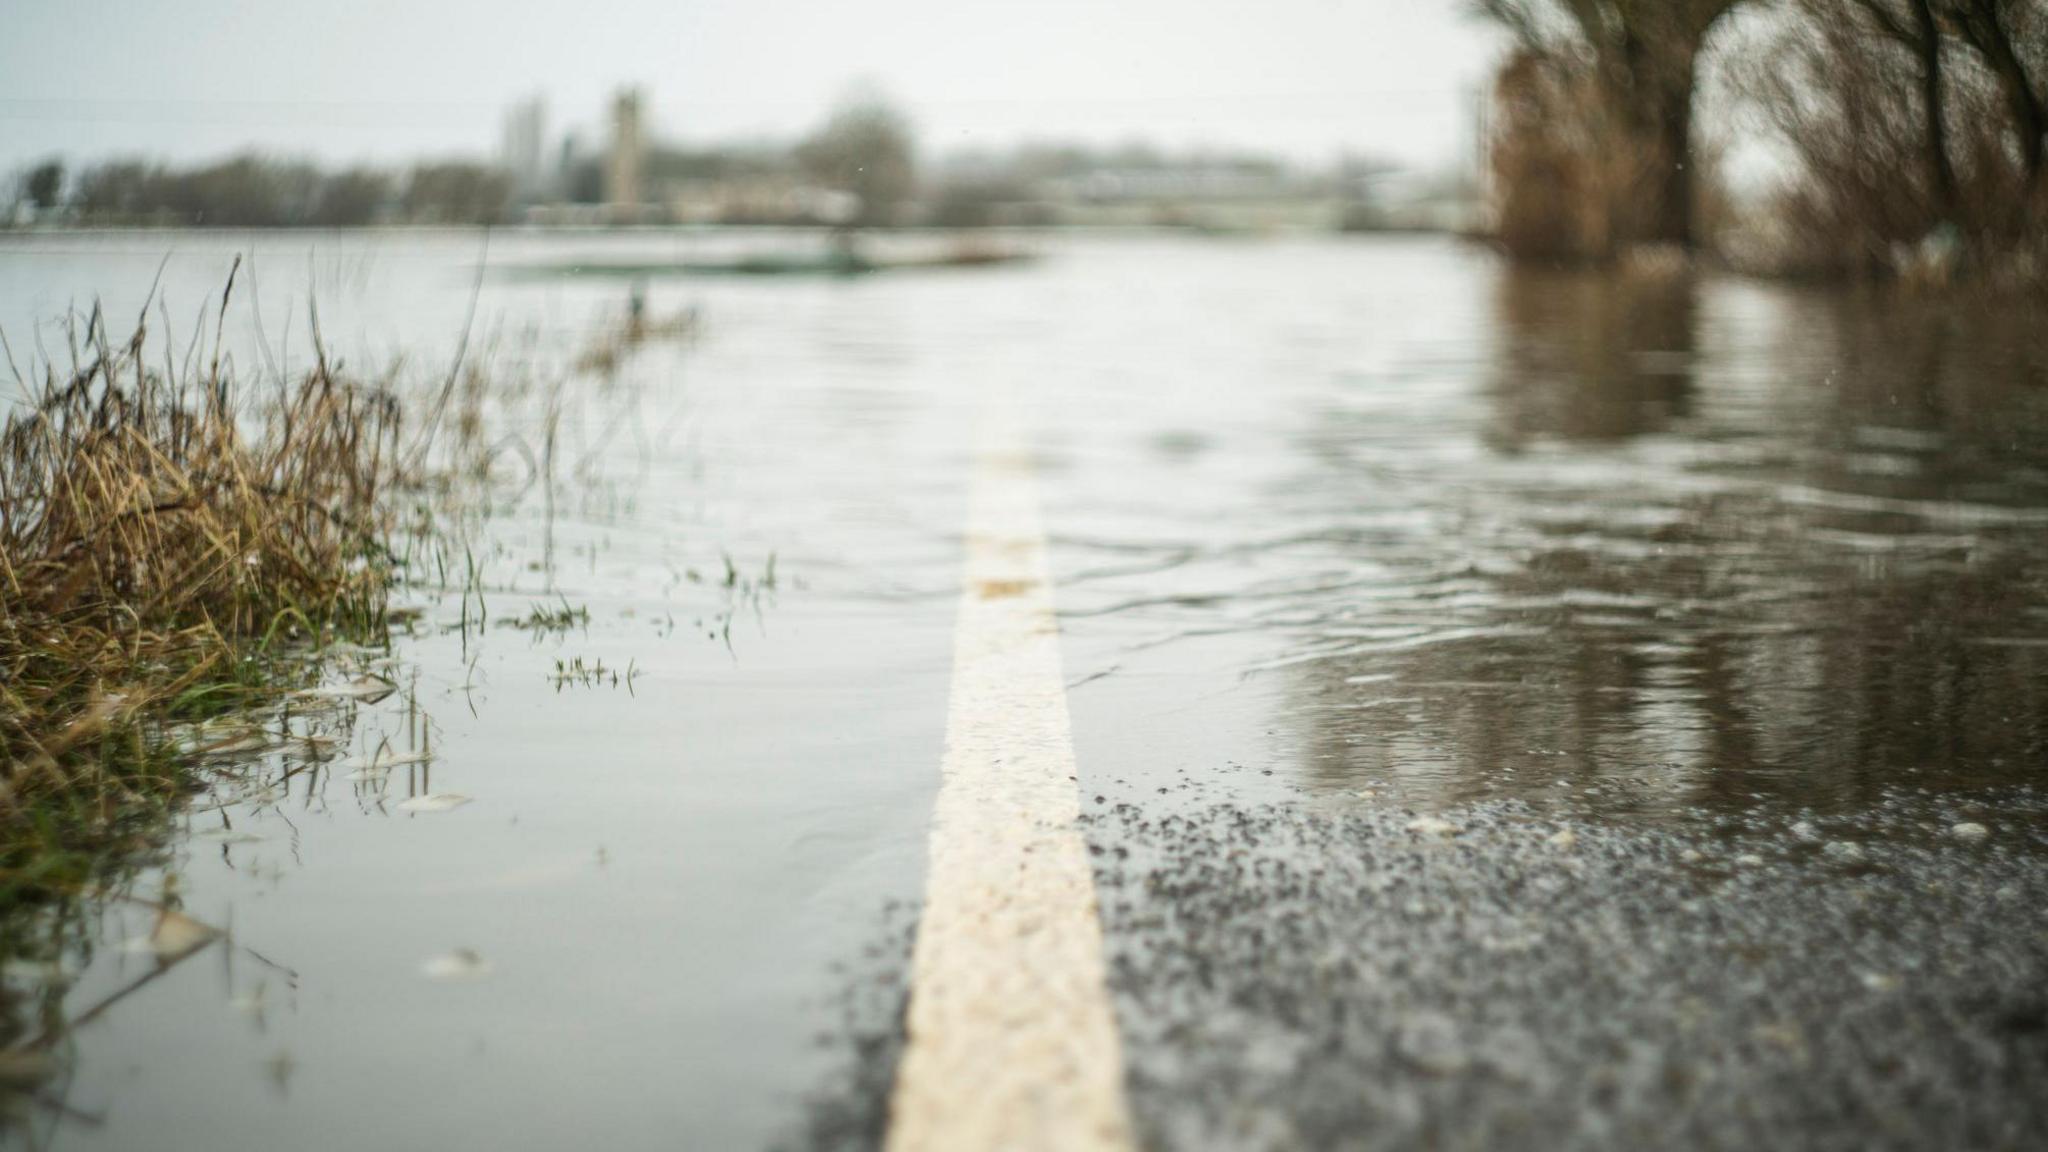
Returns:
(1355,522)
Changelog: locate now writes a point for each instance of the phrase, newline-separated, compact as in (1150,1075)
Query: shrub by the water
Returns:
(161,535)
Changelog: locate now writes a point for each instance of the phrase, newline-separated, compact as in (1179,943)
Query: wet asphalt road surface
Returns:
(1500,976)
(1493,978)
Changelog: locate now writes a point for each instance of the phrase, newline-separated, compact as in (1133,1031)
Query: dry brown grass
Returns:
(158,530)
(612,345)
(178,544)
(1566,180)
(1555,162)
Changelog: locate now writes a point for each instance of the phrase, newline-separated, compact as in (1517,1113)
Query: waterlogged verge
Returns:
(211,579)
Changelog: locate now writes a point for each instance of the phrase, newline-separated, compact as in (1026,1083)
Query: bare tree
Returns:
(457,192)
(1913,26)
(865,149)
(2011,36)
(352,198)
(44,184)
(1903,141)
(1644,56)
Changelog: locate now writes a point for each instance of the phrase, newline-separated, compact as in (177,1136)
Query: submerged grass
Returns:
(178,544)
(196,581)
(166,541)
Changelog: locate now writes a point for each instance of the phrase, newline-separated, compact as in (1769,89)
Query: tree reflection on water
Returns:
(1724,544)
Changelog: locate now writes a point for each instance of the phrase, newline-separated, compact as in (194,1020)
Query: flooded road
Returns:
(1343,535)
(1458,533)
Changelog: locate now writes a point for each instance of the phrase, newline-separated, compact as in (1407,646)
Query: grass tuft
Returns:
(163,538)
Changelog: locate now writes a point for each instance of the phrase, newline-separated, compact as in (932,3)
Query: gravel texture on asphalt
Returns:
(1289,976)
(1498,977)
(861,1036)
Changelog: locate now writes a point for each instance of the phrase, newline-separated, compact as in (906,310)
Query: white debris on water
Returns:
(1564,840)
(1749,860)
(239,745)
(379,767)
(368,689)
(1970,832)
(433,802)
(1804,830)
(173,937)
(460,965)
(228,836)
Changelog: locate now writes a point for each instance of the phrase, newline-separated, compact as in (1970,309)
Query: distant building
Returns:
(624,166)
(523,149)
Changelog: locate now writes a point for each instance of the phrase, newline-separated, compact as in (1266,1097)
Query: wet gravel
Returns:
(862,1039)
(1288,976)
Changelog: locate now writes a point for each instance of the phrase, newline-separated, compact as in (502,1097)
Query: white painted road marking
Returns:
(1012,1044)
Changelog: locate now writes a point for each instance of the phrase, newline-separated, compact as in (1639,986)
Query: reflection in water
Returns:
(1723,546)
(71,963)
(1591,358)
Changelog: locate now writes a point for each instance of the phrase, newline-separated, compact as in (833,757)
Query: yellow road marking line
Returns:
(1012,1043)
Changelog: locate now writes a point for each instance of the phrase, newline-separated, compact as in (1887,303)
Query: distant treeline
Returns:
(1915,132)
(258,192)
(860,166)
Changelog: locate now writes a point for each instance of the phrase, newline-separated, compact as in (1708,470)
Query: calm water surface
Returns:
(1374,521)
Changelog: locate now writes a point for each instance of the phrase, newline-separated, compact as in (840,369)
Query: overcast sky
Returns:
(385,80)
